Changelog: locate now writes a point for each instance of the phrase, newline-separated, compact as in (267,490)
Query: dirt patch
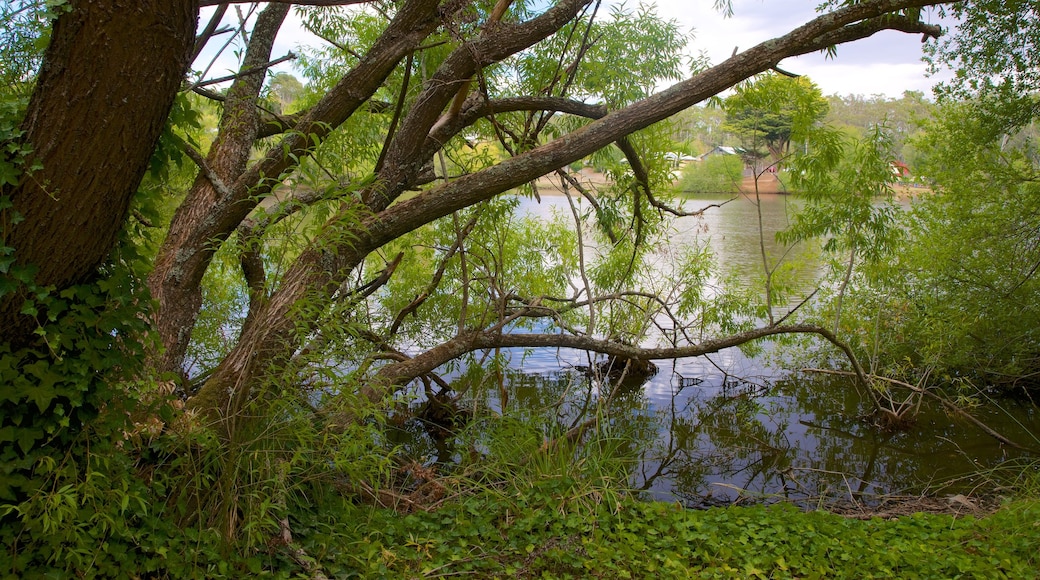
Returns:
(767,183)
(892,507)
(591,180)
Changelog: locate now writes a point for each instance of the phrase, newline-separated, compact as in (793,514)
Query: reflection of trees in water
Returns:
(731,438)
(555,405)
(804,439)
(807,439)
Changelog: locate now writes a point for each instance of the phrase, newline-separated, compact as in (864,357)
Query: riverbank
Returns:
(545,535)
(768,183)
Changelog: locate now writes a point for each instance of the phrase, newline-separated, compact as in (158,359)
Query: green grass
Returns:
(543,537)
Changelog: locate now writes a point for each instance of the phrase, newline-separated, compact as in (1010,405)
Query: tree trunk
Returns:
(203,221)
(176,280)
(104,92)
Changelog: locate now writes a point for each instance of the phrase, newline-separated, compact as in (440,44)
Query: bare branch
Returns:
(871,26)
(587,195)
(402,95)
(247,72)
(477,108)
(437,276)
(209,31)
(199,160)
(394,375)
(203,3)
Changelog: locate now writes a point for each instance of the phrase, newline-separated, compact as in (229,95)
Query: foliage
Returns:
(714,174)
(995,49)
(849,204)
(959,296)
(105,474)
(285,89)
(767,113)
(539,535)
(945,293)
(24,34)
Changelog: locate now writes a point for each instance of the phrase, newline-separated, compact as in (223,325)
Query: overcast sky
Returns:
(887,63)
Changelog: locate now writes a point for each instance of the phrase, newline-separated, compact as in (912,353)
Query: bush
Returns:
(715,174)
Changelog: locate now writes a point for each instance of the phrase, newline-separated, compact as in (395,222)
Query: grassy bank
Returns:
(548,526)
(494,536)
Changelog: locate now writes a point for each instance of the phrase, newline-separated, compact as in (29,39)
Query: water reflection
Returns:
(808,439)
(728,427)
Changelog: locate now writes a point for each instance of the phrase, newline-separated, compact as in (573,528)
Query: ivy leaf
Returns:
(43,392)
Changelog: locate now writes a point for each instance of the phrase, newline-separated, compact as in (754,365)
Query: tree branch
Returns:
(478,108)
(395,375)
(437,276)
(209,31)
(203,3)
(493,45)
(311,274)
(587,196)
(194,154)
(240,74)
(871,26)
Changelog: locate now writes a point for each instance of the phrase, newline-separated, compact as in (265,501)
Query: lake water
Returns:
(728,427)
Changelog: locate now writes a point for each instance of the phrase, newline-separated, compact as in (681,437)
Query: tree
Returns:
(426,75)
(898,117)
(89,132)
(769,110)
(954,300)
(958,294)
(286,89)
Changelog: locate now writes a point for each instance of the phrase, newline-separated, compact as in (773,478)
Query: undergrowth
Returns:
(536,536)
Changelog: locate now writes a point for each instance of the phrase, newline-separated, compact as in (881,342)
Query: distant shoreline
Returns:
(768,184)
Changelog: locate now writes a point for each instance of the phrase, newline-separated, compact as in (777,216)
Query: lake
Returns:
(727,427)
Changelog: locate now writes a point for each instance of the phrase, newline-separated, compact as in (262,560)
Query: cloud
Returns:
(888,63)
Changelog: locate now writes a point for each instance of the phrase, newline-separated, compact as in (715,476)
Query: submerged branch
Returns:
(946,403)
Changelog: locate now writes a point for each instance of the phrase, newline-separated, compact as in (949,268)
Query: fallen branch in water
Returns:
(946,403)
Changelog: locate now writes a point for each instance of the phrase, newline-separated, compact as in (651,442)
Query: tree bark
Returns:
(101,100)
(208,218)
(176,280)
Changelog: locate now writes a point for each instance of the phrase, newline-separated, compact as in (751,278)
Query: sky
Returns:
(886,64)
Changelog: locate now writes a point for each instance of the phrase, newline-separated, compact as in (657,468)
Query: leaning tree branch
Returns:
(871,26)
(310,275)
(493,45)
(393,376)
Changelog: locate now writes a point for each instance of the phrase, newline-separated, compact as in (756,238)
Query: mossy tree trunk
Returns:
(101,100)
